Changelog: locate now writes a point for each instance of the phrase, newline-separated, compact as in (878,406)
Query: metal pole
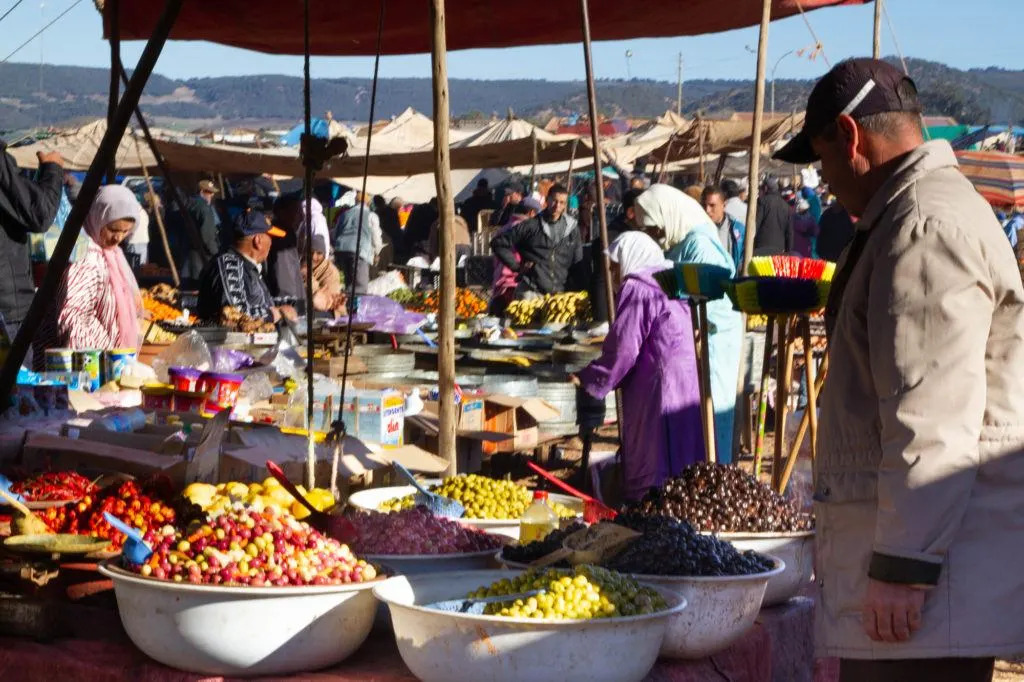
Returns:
(876,45)
(779,61)
(595,141)
(69,235)
(679,87)
(307,190)
(446,238)
(115,69)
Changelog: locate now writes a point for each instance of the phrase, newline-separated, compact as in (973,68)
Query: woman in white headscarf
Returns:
(97,304)
(649,354)
(685,230)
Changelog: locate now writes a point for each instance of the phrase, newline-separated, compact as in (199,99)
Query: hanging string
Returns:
(13,7)
(307,190)
(895,42)
(40,31)
(338,428)
(819,46)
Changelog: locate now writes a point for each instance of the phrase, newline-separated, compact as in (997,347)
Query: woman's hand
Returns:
(575,380)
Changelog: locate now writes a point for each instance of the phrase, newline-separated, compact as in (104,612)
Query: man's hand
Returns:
(892,612)
(575,380)
(526,266)
(288,312)
(50,157)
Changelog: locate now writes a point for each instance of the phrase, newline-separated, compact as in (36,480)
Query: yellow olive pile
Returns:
(483,498)
(585,593)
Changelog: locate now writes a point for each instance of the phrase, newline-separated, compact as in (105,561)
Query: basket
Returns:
(694,279)
(778,295)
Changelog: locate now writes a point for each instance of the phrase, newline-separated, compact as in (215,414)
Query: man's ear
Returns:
(849,136)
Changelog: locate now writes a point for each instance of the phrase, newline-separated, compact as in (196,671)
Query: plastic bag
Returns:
(188,350)
(386,283)
(385,315)
(137,374)
(256,387)
(229,360)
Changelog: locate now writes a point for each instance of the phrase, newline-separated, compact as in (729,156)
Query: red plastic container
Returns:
(222,389)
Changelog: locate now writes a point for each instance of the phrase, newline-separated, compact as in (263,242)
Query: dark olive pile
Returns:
(532,551)
(723,499)
(672,547)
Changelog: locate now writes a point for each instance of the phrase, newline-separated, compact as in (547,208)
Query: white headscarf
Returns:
(635,251)
(673,211)
(320,227)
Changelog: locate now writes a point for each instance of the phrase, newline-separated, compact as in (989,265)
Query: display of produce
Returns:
(54,486)
(415,531)
(672,547)
(155,334)
(138,506)
(468,303)
(567,308)
(164,293)
(236,320)
(259,496)
(587,592)
(241,546)
(532,551)
(723,499)
(161,311)
(483,498)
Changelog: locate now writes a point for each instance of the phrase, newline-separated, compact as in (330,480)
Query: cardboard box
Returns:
(518,417)
(375,416)
(333,368)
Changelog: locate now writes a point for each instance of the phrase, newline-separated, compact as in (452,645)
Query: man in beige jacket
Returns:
(919,481)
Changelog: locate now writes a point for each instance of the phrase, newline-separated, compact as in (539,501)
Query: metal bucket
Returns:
(511,385)
(381,359)
(562,396)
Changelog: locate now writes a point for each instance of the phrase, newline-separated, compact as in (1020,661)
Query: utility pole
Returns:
(679,87)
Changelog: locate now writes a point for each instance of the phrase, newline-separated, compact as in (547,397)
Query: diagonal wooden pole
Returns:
(156,215)
(90,186)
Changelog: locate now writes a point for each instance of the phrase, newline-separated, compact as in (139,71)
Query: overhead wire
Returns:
(13,7)
(40,31)
(820,45)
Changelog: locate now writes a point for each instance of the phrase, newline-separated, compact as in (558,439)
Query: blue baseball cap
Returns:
(249,223)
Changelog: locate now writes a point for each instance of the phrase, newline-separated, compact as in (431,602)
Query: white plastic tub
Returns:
(455,647)
(795,549)
(720,609)
(245,631)
(372,498)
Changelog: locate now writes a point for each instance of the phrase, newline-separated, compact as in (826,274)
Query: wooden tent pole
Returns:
(533,168)
(701,131)
(755,135)
(156,215)
(752,182)
(572,161)
(595,141)
(90,186)
(876,44)
(446,230)
(114,7)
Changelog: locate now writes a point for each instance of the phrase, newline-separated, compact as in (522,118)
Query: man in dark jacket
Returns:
(25,207)
(835,232)
(774,233)
(201,208)
(482,200)
(549,247)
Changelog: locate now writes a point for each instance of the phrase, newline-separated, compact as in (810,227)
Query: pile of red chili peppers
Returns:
(54,486)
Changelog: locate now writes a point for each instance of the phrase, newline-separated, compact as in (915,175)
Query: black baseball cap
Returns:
(249,223)
(858,88)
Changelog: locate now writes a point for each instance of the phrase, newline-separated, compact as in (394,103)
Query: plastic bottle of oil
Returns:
(538,520)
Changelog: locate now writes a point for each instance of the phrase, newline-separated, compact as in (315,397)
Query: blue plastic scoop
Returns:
(477,605)
(438,504)
(135,549)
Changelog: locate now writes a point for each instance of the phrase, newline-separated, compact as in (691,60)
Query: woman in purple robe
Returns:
(649,354)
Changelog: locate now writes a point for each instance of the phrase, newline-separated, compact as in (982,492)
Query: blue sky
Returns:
(960,34)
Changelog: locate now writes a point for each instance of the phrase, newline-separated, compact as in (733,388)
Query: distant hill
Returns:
(70,93)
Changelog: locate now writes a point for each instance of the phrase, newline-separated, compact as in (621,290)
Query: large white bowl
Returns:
(720,610)
(216,630)
(795,549)
(438,646)
(372,498)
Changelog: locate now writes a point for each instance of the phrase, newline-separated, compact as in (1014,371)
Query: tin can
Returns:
(222,389)
(157,397)
(59,360)
(115,361)
(90,362)
(184,378)
(189,401)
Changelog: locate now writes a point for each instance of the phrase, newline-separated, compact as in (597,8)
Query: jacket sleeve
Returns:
(504,245)
(32,205)
(622,345)
(929,315)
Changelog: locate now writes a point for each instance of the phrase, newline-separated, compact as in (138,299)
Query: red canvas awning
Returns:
(350,28)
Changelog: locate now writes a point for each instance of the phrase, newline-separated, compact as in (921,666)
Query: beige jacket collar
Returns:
(929,157)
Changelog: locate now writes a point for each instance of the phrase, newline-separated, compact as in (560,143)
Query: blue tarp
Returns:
(319,128)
